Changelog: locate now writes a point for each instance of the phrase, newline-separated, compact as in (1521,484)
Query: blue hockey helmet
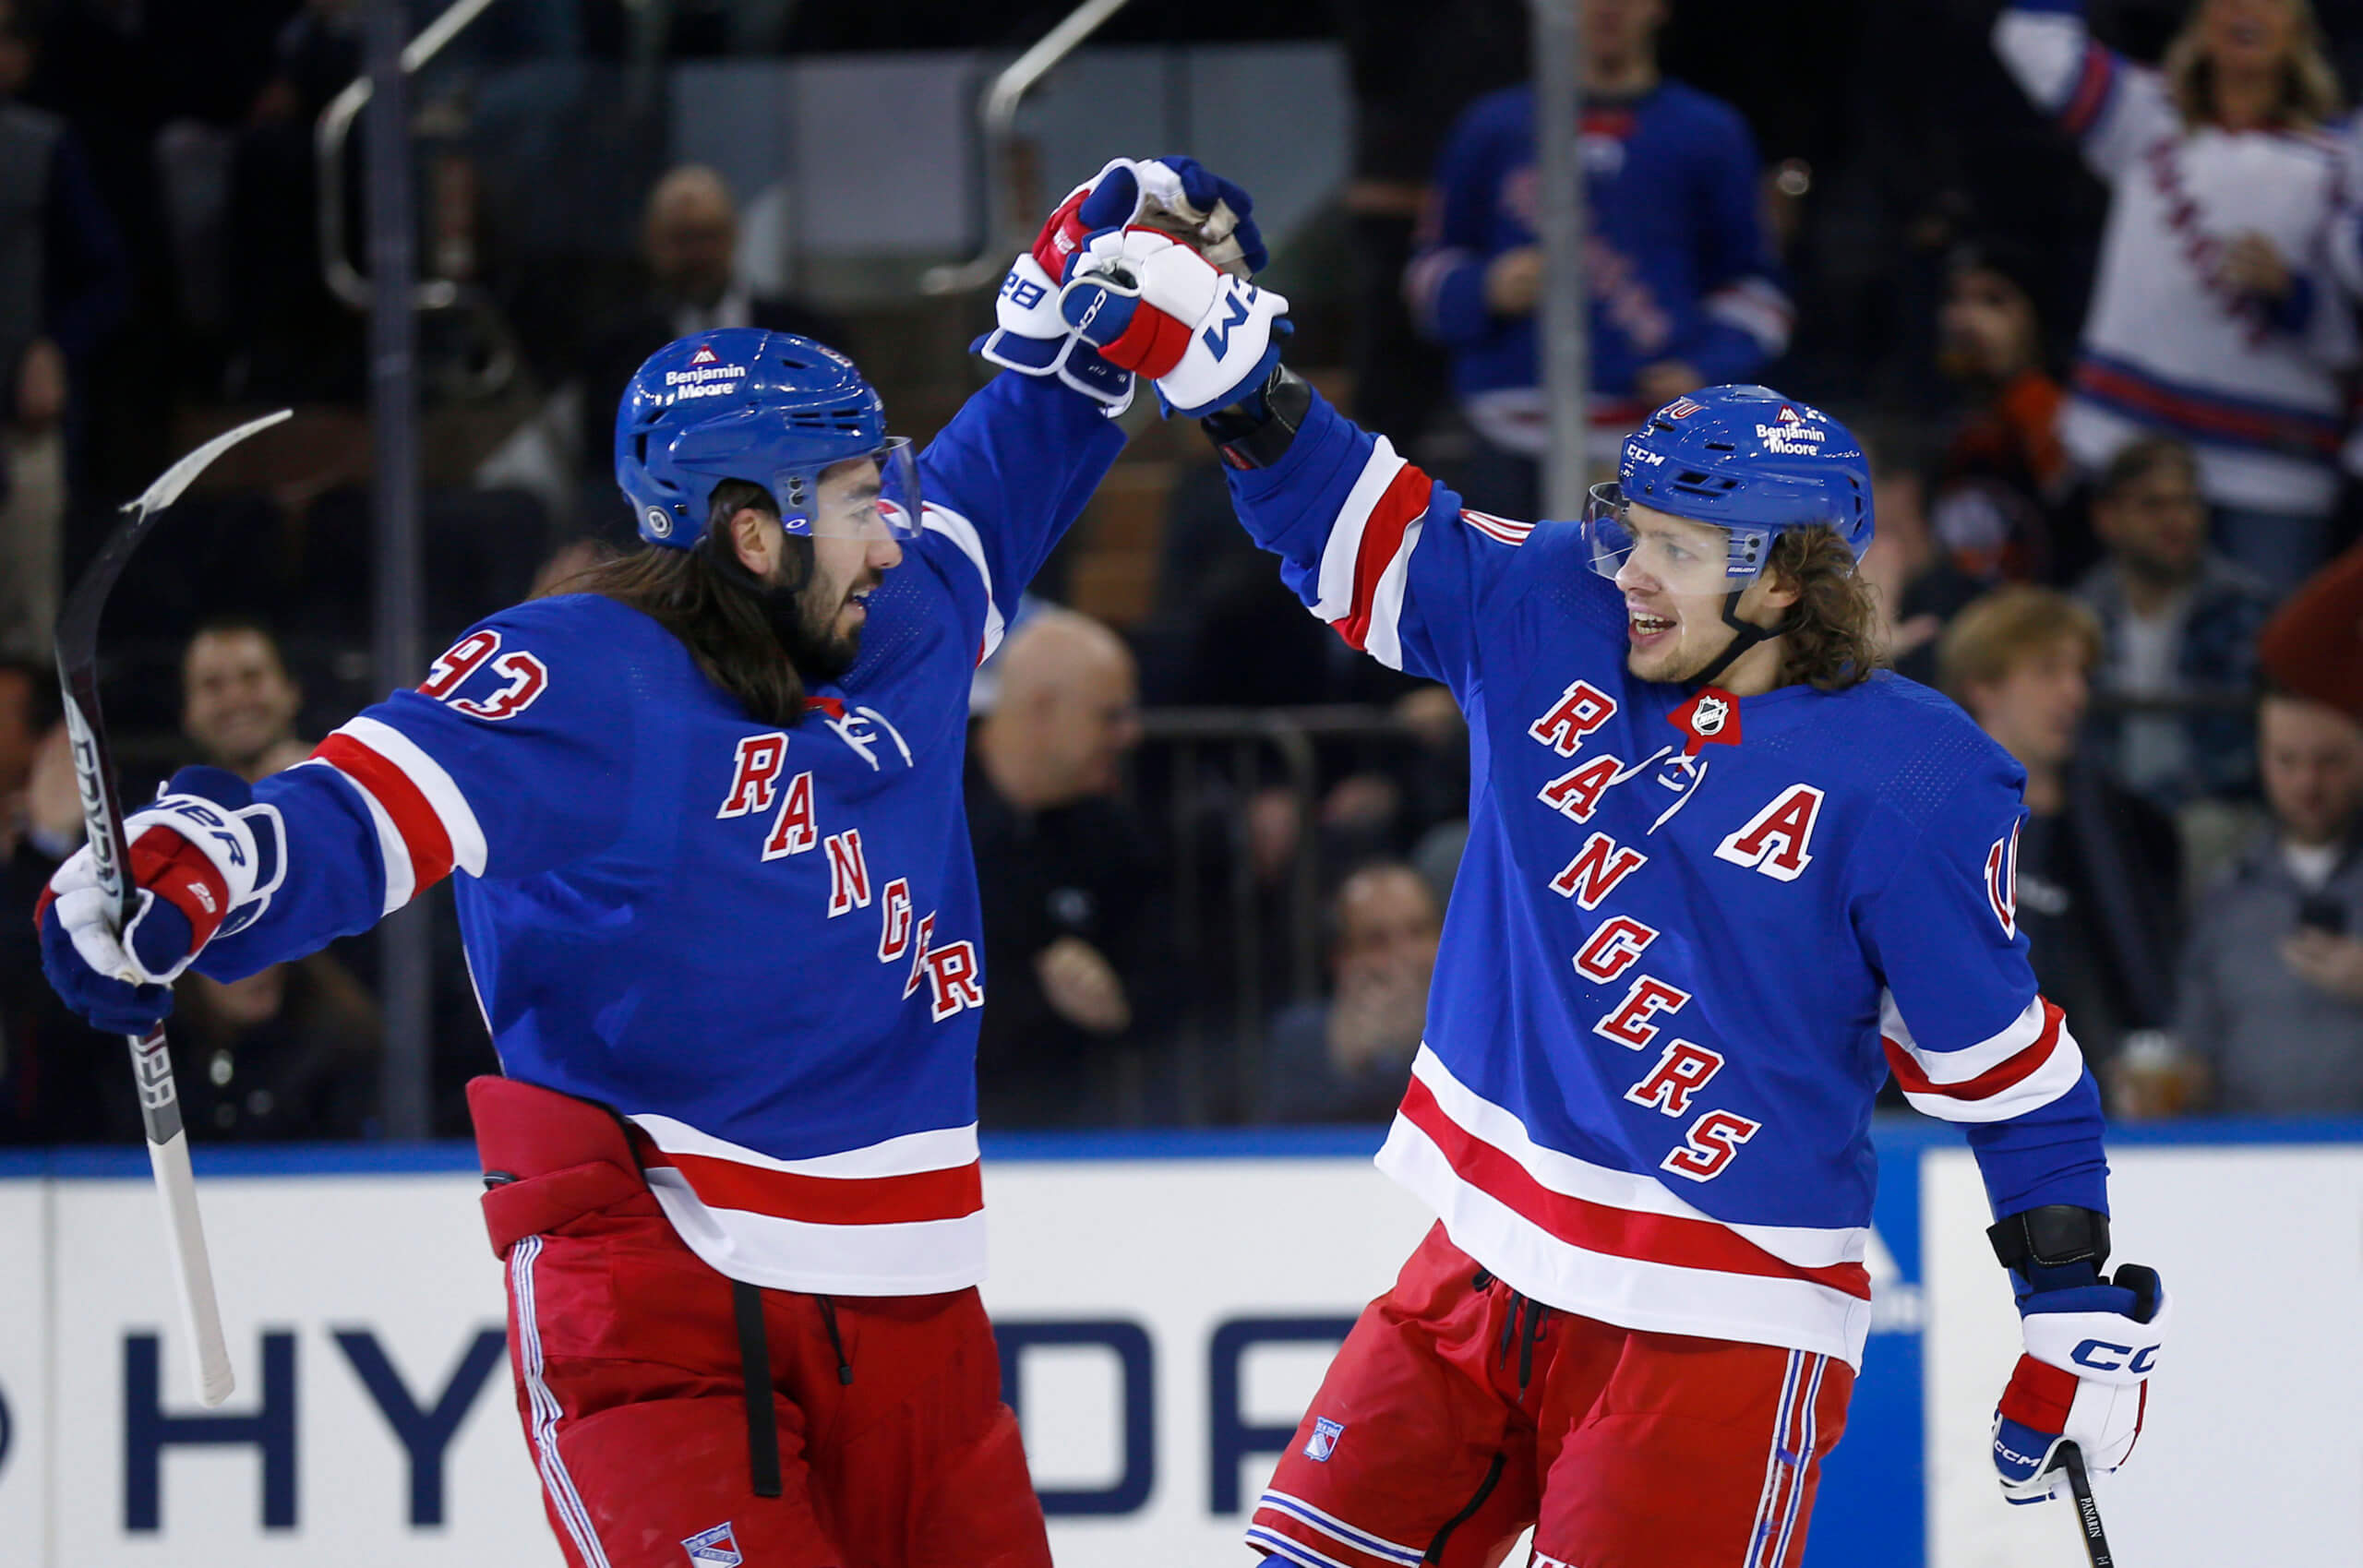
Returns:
(1745,459)
(768,408)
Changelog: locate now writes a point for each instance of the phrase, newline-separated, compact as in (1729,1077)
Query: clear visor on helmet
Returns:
(1672,553)
(872,497)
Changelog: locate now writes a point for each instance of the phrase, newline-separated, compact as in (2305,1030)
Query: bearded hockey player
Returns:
(719,904)
(1722,877)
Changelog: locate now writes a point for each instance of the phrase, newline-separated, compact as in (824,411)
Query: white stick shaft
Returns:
(192,1268)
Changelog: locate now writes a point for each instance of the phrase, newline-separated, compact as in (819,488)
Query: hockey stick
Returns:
(151,1064)
(2088,1513)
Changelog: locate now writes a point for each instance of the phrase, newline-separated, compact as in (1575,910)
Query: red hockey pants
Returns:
(894,1448)
(1458,1413)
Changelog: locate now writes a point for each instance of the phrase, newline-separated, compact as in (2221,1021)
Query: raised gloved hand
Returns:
(2091,1342)
(205,860)
(1177,194)
(1152,304)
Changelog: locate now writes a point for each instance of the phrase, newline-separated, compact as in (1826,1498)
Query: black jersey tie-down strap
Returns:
(755,1369)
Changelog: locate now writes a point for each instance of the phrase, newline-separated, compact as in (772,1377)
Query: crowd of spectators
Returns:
(2101,360)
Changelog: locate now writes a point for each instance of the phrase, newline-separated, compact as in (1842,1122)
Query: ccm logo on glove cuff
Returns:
(2103,1356)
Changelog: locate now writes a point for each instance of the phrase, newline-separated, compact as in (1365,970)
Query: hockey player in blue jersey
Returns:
(719,905)
(1721,877)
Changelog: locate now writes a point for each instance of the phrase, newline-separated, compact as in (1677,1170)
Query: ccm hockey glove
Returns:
(1155,306)
(205,859)
(2091,1342)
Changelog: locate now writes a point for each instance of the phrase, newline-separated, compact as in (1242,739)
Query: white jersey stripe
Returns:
(1341,557)
(451,807)
(2060,1072)
(961,531)
(1969,1062)
(906,1258)
(941,1149)
(1383,639)
(1756,308)
(394,852)
(1805,1247)
(1705,1304)
(1508,530)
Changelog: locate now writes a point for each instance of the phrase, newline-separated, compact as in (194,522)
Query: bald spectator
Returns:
(2272,978)
(1346,1058)
(689,244)
(238,703)
(1066,875)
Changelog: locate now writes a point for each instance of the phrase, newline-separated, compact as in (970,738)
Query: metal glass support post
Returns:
(1564,317)
(405,940)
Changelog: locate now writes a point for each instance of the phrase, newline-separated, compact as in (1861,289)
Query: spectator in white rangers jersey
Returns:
(2216,316)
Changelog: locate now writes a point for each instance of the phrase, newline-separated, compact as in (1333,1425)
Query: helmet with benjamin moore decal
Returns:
(770,408)
(1744,459)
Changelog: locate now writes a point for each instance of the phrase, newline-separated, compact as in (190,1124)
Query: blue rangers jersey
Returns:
(759,946)
(1690,936)
(1677,259)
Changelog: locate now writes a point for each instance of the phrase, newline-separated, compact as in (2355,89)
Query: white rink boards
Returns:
(1167,1304)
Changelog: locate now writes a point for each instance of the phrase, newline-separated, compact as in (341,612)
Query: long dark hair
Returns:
(705,597)
(1831,641)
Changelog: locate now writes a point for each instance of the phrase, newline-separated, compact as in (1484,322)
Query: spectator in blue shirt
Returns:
(1680,270)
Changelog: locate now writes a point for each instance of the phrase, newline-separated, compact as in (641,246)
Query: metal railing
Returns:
(997,121)
(1227,919)
(329,138)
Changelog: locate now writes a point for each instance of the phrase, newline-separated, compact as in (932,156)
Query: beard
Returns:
(804,617)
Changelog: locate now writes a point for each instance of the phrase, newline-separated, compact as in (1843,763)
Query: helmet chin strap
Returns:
(1744,636)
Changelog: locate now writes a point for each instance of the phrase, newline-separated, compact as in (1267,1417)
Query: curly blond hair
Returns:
(1831,638)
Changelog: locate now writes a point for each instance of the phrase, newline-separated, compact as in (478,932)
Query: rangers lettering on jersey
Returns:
(667,904)
(1604,938)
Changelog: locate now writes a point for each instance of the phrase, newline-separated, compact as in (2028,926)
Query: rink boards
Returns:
(1166,1305)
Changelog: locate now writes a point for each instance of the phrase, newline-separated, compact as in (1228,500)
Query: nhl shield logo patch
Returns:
(1324,1440)
(716,1548)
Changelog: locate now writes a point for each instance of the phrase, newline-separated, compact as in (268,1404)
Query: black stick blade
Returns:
(78,623)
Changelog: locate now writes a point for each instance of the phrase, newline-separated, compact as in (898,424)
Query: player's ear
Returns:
(758,545)
(1779,590)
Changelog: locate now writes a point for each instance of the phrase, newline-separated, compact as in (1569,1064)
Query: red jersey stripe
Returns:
(413,817)
(1598,1228)
(1988,1083)
(1405,498)
(953,1193)
(2091,91)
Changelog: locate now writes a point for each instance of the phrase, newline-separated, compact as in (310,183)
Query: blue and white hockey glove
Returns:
(1031,337)
(1155,306)
(1034,339)
(2091,1342)
(205,859)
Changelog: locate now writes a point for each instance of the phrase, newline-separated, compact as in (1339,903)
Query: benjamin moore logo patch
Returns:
(716,1548)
